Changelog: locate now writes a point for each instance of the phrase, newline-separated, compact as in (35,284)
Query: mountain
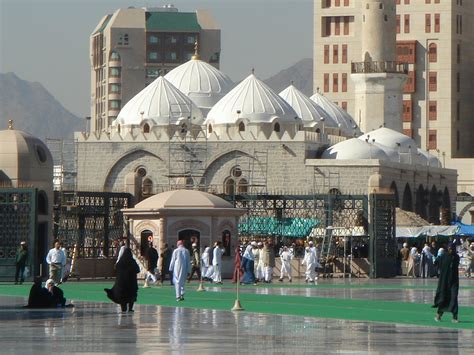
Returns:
(34,110)
(300,73)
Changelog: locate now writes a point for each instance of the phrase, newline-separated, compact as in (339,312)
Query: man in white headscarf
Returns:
(310,261)
(285,257)
(259,264)
(180,265)
(205,263)
(217,263)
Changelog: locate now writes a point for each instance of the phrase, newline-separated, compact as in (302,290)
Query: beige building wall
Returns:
(120,63)
(444,129)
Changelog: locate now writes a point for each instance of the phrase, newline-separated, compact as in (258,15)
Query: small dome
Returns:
(425,158)
(160,103)
(308,110)
(24,158)
(201,82)
(252,100)
(354,149)
(342,118)
(184,199)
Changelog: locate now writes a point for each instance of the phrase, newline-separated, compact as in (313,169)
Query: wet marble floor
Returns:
(100,328)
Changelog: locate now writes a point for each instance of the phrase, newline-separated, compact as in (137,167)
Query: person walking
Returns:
(310,261)
(268,259)
(248,265)
(217,263)
(195,262)
(180,266)
(152,262)
(446,297)
(165,264)
(125,289)
(205,265)
(286,256)
(20,263)
(56,261)
(412,257)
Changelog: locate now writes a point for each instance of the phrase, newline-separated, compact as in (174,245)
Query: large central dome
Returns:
(201,82)
(254,101)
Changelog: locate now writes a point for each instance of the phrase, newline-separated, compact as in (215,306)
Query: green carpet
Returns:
(334,308)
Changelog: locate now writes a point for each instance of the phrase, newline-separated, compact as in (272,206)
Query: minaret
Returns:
(378,78)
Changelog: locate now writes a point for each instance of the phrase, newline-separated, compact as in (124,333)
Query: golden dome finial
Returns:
(10,124)
(196,51)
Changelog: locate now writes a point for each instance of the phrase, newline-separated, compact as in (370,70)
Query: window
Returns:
(209,129)
(114,72)
(344,53)
(335,81)
(406,51)
(327,26)
(337,26)
(123,39)
(171,39)
(407,2)
(147,187)
(114,56)
(346,2)
(458,140)
(458,110)
(407,111)
(344,105)
(344,82)
(114,88)
(190,39)
(171,56)
(326,54)
(326,82)
(276,127)
(146,128)
(458,53)
(433,111)
(337,2)
(410,85)
(427,23)
(42,203)
(433,53)
(437,21)
(153,39)
(241,127)
(458,82)
(335,54)
(432,81)
(152,72)
(153,56)
(432,140)
(406,23)
(114,104)
(398,23)
(346,25)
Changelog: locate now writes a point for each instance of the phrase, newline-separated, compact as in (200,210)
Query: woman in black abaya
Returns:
(124,291)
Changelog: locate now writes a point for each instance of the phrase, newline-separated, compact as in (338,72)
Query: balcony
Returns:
(379,67)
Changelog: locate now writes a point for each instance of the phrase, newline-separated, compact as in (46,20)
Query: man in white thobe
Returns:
(259,265)
(285,257)
(217,263)
(310,261)
(205,263)
(180,266)
(56,260)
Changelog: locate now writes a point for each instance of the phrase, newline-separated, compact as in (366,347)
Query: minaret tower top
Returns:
(378,31)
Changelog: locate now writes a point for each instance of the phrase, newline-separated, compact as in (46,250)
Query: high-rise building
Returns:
(436,40)
(133,46)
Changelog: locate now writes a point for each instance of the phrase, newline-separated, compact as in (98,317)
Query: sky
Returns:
(47,41)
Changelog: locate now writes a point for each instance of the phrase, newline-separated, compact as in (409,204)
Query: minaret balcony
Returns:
(379,67)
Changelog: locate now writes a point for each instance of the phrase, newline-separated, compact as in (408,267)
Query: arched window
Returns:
(334,191)
(276,127)
(433,53)
(147,187)
(42,203)
(209,128)
(229,187)
(421,201)
(146,128)
(407,203)
(118,128)
(141,171)
(241,127)
(242,186)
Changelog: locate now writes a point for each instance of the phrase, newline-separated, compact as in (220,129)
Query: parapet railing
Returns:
(379,67)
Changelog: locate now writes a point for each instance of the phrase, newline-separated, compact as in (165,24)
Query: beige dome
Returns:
(24,158)
(184,199)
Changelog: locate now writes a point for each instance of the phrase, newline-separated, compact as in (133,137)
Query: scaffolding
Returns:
(187,151)
(329,182)
(64,156)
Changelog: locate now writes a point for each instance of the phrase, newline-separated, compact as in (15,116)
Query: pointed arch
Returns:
(421,202)
(433,206)
(393,188)
(407,202)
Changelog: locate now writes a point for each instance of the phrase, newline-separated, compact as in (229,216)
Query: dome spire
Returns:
(196,55)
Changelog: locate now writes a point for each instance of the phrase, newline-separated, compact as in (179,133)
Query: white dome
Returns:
(160,103)
(425,158)
(201,82)
(347,124)
(254,101)
(354,149)
(308,110)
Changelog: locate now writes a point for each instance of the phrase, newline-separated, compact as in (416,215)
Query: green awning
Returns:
(295,227)
(172,22)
